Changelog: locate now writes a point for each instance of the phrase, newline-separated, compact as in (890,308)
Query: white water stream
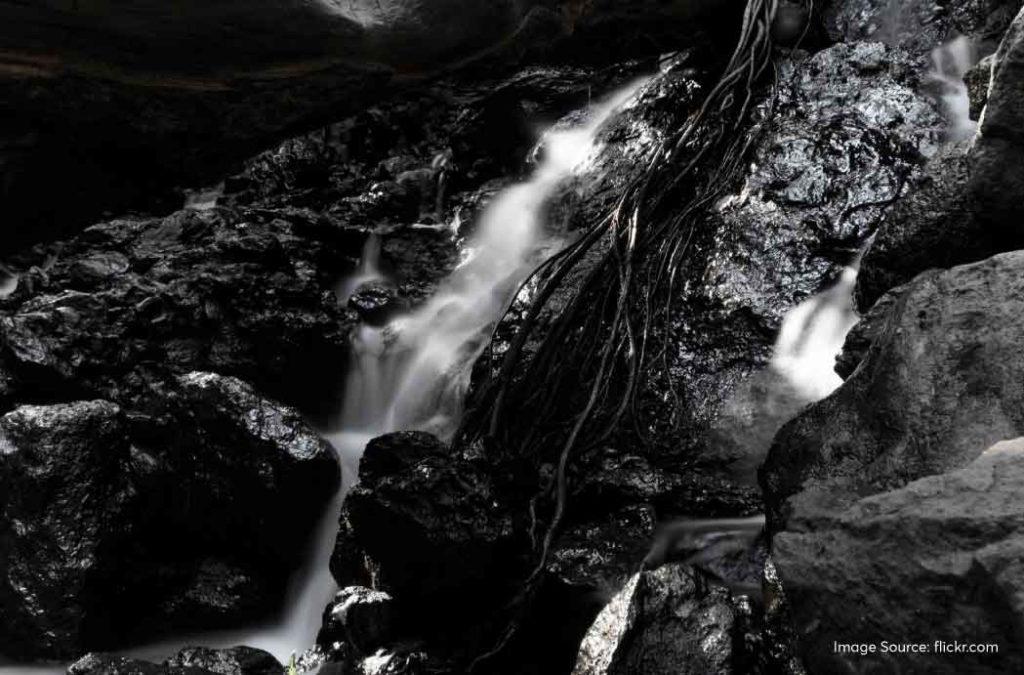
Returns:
(414,373)
(950,63)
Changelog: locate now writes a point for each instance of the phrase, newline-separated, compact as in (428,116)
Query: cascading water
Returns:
(414,372)
(811,336)
(950,63)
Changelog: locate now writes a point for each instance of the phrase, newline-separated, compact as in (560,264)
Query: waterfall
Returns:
(414,372)
(811,337)
(950,63)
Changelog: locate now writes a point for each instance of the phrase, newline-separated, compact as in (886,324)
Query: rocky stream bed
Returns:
(174,356)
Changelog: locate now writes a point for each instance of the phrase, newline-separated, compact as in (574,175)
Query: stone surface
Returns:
(999,191)
(189,661)
(946,549)
(235,661)
(235,292)
(662,622)
(917,25)
(432,524)
(886,524)
(121,525)
(361,617)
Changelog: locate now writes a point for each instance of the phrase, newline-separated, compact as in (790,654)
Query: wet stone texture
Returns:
(122,525)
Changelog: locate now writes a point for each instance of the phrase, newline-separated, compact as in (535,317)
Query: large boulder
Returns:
(662,622)
(433,526)
(118,526)
(935,564)
(998,190)
(235,292)
(868,554)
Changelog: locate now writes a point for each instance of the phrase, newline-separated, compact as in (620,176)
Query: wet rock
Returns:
(945,548)
(237,292)
(432,524)
(978,79)
(121,525)
(189,661)
(65,473)
(998,192)
(235,661)
(669,620)
(375,303)
(361,617)
(850,133)
(933,226)
(104,664)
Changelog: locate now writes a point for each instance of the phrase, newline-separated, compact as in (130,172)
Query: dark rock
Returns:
(223,290)
(105,664)
(978,79)
(432,524)
(189,661)
(120,526)
(669,620)
(375,303)
(360,617)
(946,549)
(934,226)
(130,103)
(1000,192)
(235,661)
(65,473)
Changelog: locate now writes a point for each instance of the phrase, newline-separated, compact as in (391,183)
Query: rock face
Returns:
(117,526)
(662,622)
(359,617)
(946,549)
(216,290)
(189,661)
(432,524)
(938,383)
(1001,144)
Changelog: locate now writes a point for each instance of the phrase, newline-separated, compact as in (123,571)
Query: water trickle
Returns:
(950,63)
(368,270)
(8,283)
(811,337)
